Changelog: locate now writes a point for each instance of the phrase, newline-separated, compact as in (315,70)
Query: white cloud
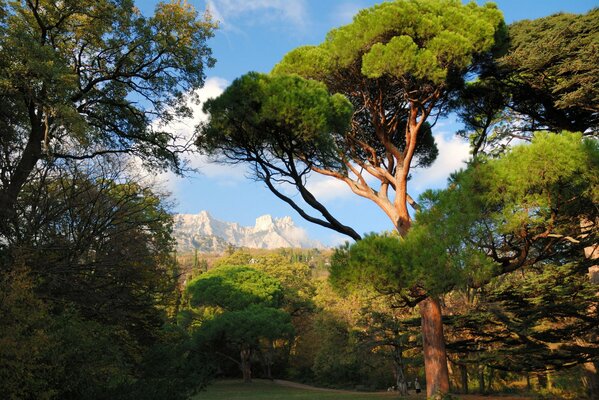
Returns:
(257,12)
(326,188)
(453,153)
(184,131)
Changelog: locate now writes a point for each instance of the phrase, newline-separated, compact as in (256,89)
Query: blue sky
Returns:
(253,36)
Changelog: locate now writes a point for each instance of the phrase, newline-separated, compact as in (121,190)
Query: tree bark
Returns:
(591,370)
(435,357)
(481,378)
(542,380)
(31,155)
(400,376)
(464,378)
(246,364)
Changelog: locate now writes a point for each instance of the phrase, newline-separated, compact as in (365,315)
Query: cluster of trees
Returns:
(268,315)
(360,108)
(87,279)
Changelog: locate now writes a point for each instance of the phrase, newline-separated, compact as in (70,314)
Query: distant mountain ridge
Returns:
(208,234)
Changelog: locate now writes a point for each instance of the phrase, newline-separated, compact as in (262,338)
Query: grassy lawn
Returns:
(259,390)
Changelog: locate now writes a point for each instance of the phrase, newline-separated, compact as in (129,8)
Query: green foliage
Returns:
(120,53)
(50,356)
(555,57)
(89,283)
(336,360)
(171,369)
(518,209)
(262,118)
(525,211)
(394,266)
(112,239)
(545,78)
(422,41)
(245,327)
(247,320)
(295,277)
(72,74)
(234,288)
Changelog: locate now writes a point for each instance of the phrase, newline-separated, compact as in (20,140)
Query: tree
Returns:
(84,79)
(398,63)
(244,330)
(247,313)
(545,80)
(98,243)
(522,212)
(275,124)
(89,285)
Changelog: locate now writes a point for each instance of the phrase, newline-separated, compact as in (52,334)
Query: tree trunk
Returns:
(591,370)
(31,155)
(400,376)
(490,382)
(464,378)
(481,378)
(433,341)
(542,380)
(246,364)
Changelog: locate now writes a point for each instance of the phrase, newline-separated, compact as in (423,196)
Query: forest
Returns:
(488,285)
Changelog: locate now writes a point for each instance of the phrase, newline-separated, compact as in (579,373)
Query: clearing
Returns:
(278,389)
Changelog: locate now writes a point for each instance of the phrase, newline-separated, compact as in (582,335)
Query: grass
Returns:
(262,390)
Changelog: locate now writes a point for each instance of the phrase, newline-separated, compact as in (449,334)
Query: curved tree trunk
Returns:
(433,341)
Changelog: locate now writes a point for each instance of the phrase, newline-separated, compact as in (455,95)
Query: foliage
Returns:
(533,320)
(246,320)
(235,288)
(46,356)
(81,79)
(295,277)
(280,126)
(92,285)
(171,369)
(246,327)
(112,240)
(533,210)
(395,63)
(555,59)
(545,79)
(427,41)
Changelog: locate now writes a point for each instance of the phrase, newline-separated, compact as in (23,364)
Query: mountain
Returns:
(207,234)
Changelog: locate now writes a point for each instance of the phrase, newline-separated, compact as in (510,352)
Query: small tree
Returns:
(247,313)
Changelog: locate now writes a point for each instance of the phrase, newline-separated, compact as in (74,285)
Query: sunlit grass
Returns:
(259,390)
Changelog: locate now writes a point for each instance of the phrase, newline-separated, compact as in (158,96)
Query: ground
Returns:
(279,389)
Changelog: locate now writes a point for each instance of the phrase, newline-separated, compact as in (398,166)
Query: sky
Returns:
(254,35)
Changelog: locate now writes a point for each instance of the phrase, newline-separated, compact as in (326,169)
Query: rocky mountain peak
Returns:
(264,223)
(207,234)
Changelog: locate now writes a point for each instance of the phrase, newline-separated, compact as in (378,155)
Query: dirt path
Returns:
(394,395)
(308,387)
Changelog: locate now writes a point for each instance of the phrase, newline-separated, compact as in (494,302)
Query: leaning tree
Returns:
(397,65)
